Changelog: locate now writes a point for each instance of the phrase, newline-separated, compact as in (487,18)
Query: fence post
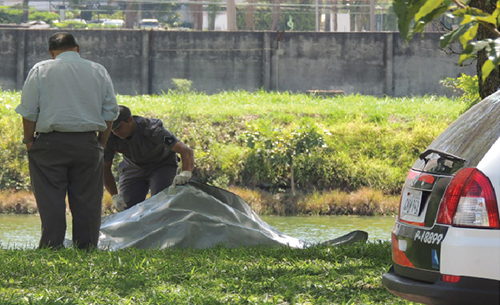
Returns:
(21,58)
(389,66)
(146,49)
(266,55)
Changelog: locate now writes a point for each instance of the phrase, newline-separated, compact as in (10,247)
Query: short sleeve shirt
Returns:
(68,94)
(149,146)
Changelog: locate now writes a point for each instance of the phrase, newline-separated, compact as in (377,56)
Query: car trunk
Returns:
(416,236)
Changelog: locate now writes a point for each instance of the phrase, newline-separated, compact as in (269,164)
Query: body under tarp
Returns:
(196,216)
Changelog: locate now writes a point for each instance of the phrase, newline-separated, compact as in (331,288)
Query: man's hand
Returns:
(182,178)
(29,145)
(118,203)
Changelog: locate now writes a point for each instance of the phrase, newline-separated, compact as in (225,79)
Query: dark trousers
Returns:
(68,164)
(135,182)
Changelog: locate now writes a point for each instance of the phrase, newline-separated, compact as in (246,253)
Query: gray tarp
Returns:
(196,216)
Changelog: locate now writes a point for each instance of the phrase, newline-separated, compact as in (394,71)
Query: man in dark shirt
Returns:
(149,159)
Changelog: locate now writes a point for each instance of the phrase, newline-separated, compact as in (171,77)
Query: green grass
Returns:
(254,275)
(276,106)
(250,140)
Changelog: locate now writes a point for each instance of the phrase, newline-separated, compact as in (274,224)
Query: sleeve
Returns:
(108,154)
(29,108)
(161,136)
(110,109)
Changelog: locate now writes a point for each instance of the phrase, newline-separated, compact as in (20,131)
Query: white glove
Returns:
(118,203)
(182,178)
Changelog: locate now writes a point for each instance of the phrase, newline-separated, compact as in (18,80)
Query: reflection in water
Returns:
(23,231)
(318,229)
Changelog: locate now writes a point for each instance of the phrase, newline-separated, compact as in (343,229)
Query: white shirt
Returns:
(68,94)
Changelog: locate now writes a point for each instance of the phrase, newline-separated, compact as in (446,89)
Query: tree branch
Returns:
(491,28)
(487,25)
(459,3)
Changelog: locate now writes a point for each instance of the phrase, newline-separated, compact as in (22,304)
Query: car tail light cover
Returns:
(429,179)
(451,278)
(398,252)
(469,201)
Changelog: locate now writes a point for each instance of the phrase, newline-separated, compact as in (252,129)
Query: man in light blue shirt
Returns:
(70,104)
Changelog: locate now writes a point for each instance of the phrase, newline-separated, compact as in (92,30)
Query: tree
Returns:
(231,15)
(279,150)
(196,10)
(130,14)
(250,16)
(477,33)
(276,15)
(25,10)
(491,83)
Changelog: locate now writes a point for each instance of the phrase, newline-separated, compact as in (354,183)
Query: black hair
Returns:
(62,41)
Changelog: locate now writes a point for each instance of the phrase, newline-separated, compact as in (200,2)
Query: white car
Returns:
(115,23)
(446,239)
(150,24)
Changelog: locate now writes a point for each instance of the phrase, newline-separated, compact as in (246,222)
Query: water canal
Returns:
(23,231)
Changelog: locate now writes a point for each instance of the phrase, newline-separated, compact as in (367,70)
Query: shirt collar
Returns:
(68,54)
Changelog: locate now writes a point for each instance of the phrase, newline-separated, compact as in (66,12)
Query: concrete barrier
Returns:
(145,62)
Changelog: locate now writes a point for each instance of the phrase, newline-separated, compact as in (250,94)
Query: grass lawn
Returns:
(254,275)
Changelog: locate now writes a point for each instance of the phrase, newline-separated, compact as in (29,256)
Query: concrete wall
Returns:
(142,62)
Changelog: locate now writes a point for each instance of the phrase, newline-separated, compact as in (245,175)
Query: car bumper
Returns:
(467,291)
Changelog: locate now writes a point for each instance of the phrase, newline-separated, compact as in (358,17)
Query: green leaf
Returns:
(467,53)
(471,50)
(496,13)
(469,35)
(488,66)
(405,11)
(490,19)
(493,49)
(464,57)
(455,35)
(471,11)
(424,20)
(428,8)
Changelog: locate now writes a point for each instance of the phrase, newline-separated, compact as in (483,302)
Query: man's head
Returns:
(62,42)
(124,125)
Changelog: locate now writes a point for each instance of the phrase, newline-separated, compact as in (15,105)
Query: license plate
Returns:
(411,202)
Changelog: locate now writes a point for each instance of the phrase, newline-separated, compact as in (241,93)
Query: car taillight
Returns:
(469,201)
(451,278)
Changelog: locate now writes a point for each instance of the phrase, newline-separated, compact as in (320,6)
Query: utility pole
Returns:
(317,16)
(372,15)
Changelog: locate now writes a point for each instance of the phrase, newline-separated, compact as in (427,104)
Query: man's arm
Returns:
(29,132)
(187,155)
(110,185)
(103,136)
(109,180)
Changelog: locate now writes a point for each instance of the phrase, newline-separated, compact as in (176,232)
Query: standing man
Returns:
(149,159)
(70,103)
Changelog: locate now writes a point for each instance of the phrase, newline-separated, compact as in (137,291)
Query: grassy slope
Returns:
(370,143)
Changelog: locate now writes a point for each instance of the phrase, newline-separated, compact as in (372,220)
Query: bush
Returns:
(47,17)
(301,19)
(181,86)
(467,87)
(70,25)
(10,15)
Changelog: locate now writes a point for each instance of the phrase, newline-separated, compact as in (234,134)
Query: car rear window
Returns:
(472,134)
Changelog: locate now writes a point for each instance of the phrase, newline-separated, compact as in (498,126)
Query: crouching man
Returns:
(149,159)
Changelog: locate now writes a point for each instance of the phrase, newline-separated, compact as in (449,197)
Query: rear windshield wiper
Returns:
(441,154)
